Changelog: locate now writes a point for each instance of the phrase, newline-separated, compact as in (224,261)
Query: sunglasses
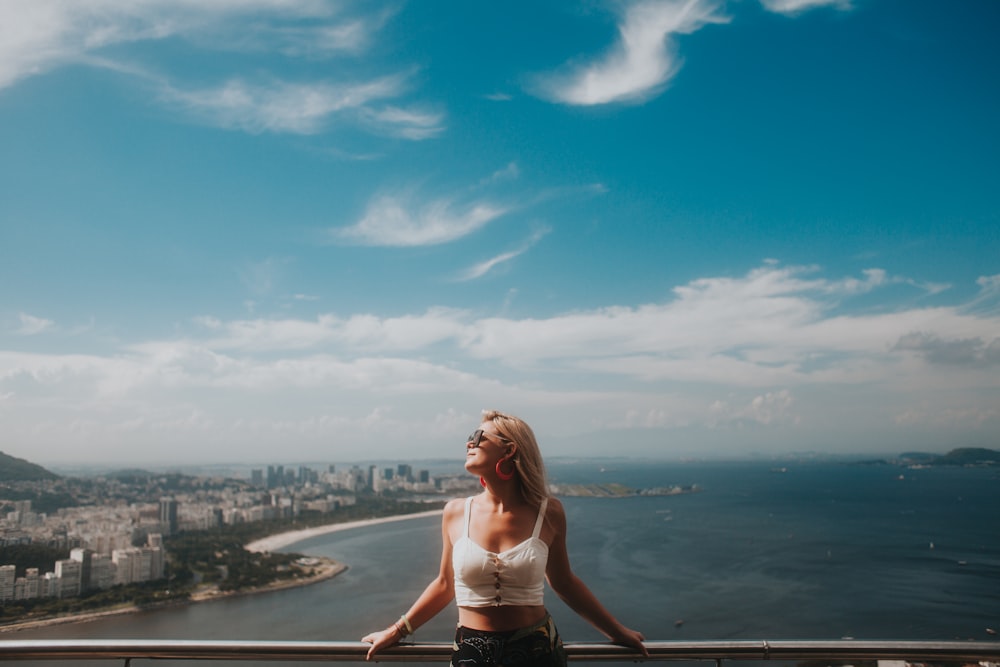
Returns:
(477,437)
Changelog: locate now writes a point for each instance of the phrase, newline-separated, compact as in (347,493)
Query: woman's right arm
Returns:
(438,594)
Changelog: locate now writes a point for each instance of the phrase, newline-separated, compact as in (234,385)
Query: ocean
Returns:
(807,551)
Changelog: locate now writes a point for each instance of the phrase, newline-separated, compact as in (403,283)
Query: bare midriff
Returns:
(500,619)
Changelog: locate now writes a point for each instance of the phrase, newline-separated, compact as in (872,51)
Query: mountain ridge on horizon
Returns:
(14,469)
(956,456)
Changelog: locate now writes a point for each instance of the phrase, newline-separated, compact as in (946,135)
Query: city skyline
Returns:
(654,228)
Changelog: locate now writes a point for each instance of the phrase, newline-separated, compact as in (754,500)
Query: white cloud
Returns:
(414,124)
(509,173)
(279,106)
(644,58)
(396,220)
(42,35)
(975,352)
(763,409)
(31,325)
(641,62)
(37,36)
(773,351)
(799,6)
(482,268)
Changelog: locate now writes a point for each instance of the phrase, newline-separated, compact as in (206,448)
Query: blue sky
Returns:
(278,230)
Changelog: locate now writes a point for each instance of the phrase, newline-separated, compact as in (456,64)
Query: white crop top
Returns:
(512,577)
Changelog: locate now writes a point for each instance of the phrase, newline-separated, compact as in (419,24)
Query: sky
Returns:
(308,230)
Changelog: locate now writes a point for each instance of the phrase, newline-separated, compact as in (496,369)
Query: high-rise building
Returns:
(68,572)
(7,579)
(31,583)
(168,515)
(257,477)
(127,565)
(102,572)
(83,557)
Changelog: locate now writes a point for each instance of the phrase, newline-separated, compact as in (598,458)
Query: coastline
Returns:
(321,570)
(282,540)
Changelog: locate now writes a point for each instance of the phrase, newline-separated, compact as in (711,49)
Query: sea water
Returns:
(800,551)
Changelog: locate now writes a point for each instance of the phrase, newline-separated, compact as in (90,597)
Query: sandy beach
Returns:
(281,540)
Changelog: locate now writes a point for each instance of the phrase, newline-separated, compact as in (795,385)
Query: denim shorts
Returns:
(535,646)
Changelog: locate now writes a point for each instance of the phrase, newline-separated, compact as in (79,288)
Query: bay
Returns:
(817,551)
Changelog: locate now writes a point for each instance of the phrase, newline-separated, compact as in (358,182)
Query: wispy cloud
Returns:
(644,58)
(280,106)
(793,7)
(482,268)
(39,36)
(509,173)
(399,220)
(31,325)
(641,62)
(415,124)
(261,277)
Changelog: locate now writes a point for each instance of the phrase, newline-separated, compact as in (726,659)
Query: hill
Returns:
(969,456)
(13,469)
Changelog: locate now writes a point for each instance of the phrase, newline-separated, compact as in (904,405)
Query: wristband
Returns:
(406,622)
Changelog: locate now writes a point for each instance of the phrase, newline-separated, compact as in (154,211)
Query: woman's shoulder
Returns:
(454,506)
(554,511)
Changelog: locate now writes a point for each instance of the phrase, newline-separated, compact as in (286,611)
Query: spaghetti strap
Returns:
(538,521)
(468,514)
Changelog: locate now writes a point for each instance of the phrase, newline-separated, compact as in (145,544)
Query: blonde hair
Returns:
(528,459)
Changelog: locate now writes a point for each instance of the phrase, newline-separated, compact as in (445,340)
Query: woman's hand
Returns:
(380,640)
(632,639)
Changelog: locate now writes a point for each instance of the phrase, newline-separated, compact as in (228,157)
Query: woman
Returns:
(499,546)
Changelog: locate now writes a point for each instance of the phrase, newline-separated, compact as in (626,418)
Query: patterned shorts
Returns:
(536,646)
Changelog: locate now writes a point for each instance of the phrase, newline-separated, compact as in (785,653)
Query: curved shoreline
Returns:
(282,540)
(328,568)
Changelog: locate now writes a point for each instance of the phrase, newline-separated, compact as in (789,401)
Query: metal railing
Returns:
(336,651)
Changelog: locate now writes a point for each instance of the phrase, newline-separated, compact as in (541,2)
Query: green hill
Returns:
(13,469)
(969,456)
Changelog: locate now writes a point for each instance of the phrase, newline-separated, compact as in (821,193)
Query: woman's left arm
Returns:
(571,589)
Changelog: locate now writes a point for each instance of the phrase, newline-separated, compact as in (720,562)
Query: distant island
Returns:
(963,456)
(617,490)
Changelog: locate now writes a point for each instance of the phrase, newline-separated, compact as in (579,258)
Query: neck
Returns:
(502,495)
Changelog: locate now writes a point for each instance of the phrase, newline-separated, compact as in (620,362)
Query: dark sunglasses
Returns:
(477,436)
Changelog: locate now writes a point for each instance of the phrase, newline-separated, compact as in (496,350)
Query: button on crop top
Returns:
(512,577)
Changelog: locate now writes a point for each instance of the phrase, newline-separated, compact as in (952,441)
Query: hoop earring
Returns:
(505,476)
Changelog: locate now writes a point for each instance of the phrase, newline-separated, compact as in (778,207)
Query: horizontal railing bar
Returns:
(182,649)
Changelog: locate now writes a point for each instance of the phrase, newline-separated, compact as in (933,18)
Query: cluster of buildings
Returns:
(102,538)
(83,571)
(354,479)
